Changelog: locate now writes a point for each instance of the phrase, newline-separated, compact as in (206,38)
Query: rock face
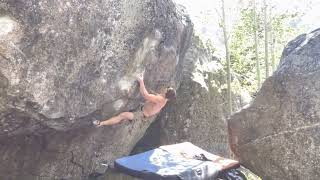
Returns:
(66,63)
(199,113)
(278,134)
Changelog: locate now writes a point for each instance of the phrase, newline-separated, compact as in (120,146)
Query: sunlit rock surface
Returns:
(66,63)
(278,135)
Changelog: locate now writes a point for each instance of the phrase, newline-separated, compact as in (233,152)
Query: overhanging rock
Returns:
(64,64)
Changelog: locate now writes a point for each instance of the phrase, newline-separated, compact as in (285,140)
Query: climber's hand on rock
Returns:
(140,77)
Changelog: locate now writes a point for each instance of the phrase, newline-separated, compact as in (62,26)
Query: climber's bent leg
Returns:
(116,119)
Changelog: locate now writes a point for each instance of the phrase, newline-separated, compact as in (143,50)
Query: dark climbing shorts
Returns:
(138,113)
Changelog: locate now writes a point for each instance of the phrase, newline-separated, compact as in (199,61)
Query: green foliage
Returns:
(242,50)
(207,46)
(282,28)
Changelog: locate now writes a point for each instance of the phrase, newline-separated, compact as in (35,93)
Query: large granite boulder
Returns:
(66,63)
(278,136)
(200,111)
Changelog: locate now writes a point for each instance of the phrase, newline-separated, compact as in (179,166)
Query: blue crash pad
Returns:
(171,162)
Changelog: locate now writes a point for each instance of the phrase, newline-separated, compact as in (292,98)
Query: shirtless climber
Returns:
(153,105)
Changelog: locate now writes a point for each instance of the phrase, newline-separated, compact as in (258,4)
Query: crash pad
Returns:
(177,161)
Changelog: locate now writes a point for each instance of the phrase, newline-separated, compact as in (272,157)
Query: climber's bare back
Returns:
(151,108)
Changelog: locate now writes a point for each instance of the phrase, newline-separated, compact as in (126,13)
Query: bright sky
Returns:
(205,17)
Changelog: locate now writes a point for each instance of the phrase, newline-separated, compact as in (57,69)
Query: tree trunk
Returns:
(256,44)
(225,35)
(272,52)
(266,39)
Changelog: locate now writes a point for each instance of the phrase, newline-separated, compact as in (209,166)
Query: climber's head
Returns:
(170,93)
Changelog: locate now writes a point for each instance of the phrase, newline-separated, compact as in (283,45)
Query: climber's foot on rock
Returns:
(105,163)
(96,123)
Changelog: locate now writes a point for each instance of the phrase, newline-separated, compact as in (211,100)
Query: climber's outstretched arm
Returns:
(147,96)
